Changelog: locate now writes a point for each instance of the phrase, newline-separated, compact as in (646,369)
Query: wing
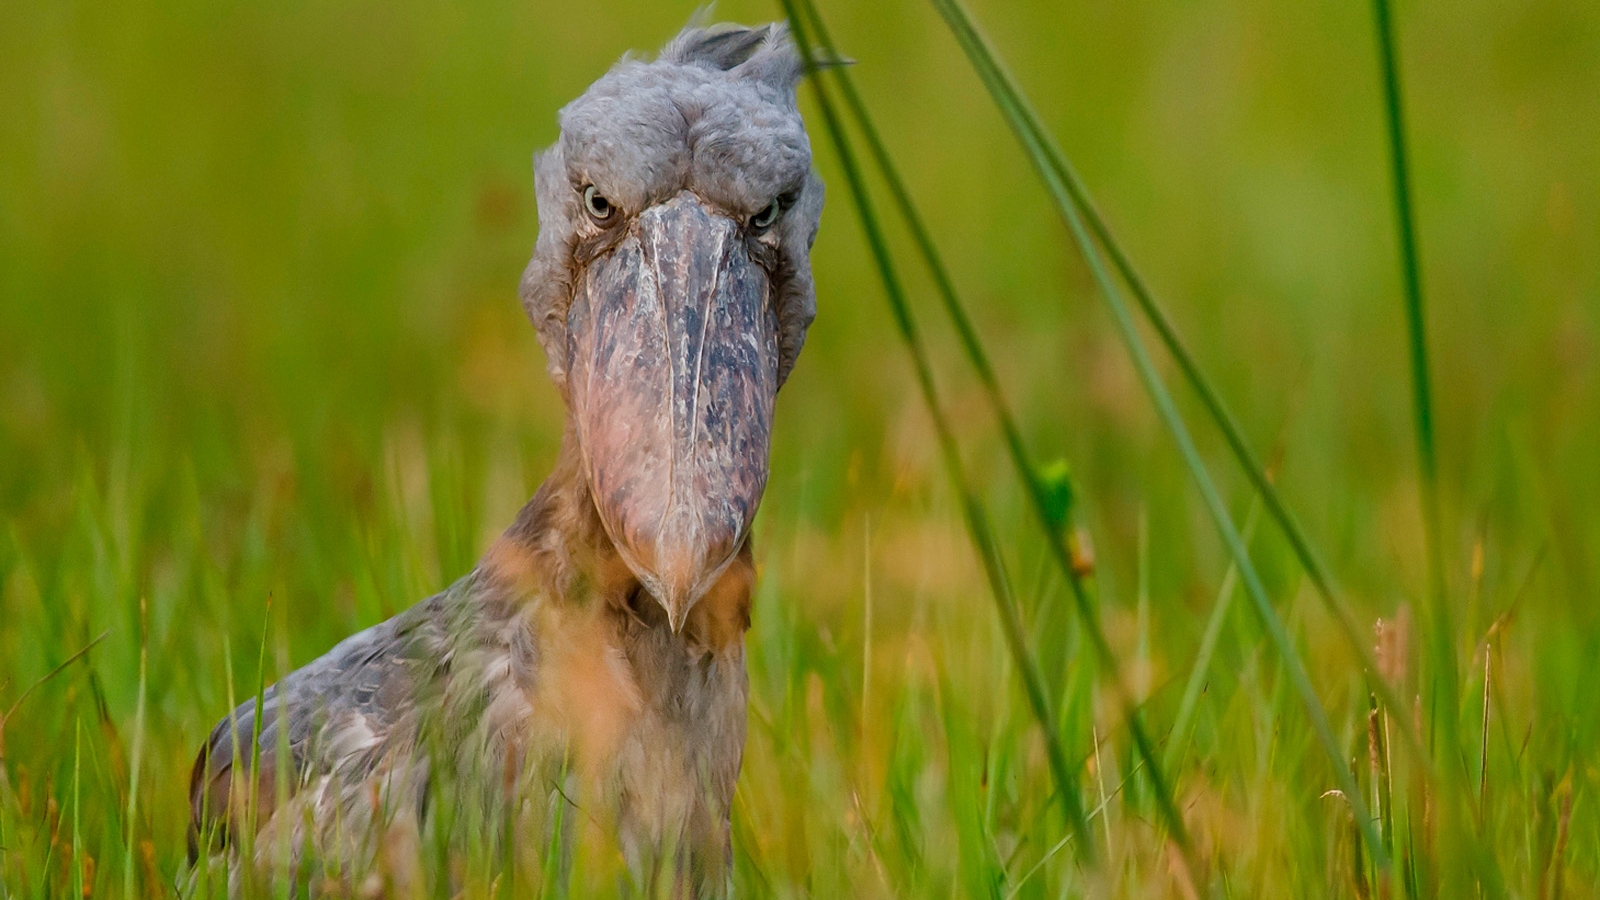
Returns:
(339,712)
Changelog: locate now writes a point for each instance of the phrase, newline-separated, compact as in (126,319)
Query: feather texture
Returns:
(545,657)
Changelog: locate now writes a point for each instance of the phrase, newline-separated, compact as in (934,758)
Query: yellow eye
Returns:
(598,206)
(768,214)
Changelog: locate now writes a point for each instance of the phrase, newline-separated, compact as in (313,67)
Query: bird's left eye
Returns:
(599,207)
(768,214)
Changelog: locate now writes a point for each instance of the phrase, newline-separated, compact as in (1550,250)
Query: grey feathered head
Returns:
(671,287)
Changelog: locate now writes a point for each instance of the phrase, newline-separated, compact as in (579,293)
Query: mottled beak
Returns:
(672,374)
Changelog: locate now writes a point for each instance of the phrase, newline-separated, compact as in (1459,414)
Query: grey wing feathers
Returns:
(339,710)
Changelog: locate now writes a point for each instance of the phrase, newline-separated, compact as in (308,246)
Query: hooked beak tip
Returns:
(673,600)
(677,614)
(676,595)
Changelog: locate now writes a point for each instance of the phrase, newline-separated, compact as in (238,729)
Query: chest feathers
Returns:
(648,725)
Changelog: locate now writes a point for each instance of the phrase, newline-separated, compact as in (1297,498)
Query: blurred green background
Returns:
(259,338)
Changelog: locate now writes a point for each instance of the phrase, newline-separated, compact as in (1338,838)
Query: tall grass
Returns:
(1048,157)
(974,513)
(1444,703)
(1054,516)
(1417,348)
(1049,163)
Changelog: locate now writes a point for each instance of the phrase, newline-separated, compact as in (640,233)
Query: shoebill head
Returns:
(671,286)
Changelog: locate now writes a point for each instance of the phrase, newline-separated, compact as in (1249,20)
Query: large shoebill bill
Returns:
(595,653)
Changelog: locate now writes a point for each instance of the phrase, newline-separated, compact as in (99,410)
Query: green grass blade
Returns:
(1421,390)
(252,815)
(77,817)
(131,830)
(1446,677)
(1040,152)
(972,508)
(1051,520)
(1178,738)
(1228,425)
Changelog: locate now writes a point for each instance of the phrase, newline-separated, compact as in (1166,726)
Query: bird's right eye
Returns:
(762,220)
(598,206)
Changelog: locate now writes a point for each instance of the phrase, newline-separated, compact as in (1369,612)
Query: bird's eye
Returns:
(768,214)
(598,206)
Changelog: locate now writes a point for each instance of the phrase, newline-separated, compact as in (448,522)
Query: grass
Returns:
(1051,503)
(979,529)
(1051,168)
(261,363)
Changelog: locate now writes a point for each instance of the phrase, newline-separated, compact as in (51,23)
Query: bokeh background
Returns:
(263,371)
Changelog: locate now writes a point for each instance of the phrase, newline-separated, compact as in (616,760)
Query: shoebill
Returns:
(595,654)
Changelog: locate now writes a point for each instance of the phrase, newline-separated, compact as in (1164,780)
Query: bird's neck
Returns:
(606,671)
(558,552)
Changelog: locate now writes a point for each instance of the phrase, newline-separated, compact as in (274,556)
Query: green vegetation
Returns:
(261,361)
